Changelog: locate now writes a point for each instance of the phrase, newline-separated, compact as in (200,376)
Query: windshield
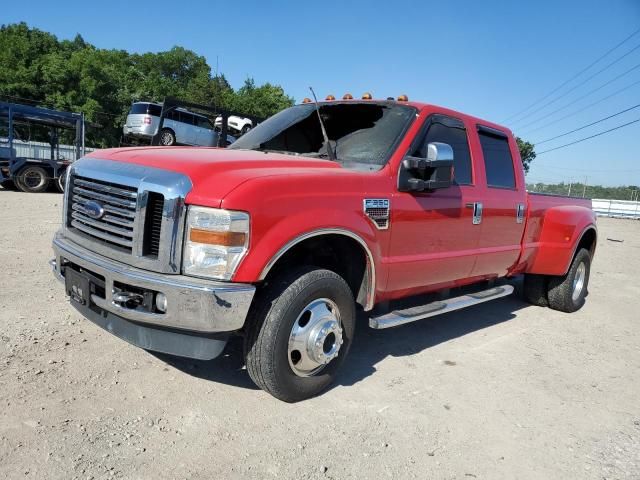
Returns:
(363,135)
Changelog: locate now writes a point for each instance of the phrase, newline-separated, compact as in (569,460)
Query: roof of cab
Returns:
(420,106)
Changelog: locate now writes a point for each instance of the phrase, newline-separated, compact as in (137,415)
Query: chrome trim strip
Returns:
(120,202)
(125,232)
(370,271)
(106,188)
(172,185)
(101,234)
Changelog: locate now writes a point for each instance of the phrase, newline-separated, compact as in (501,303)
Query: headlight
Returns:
(216,242)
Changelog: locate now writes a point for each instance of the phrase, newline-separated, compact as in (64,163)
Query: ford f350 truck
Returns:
(324,211)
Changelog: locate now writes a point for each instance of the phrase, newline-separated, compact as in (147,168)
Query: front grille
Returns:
(115,226)
(129,213)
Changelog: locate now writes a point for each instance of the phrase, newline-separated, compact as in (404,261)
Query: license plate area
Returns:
(77,286)
(80,284)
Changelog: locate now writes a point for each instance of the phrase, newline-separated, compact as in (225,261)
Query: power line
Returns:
(573,77)
(583,96)
(585,107)
(575,87)
(592,136)
(588,125)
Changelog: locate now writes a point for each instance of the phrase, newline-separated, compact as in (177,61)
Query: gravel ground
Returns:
(503,390)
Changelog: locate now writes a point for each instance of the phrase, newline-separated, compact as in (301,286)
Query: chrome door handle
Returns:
(477,212)
(520,209)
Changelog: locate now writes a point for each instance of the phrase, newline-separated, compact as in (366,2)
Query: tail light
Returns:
(147,120)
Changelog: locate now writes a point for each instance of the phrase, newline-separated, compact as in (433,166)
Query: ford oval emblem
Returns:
(94,209)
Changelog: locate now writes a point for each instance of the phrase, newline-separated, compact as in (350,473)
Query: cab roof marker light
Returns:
(366,96)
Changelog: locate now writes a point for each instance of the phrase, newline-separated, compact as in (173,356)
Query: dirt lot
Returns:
(504,390)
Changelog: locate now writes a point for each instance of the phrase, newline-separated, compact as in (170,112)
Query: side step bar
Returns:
(400,317)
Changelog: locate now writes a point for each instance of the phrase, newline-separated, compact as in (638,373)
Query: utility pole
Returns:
(584,187)
(569,194)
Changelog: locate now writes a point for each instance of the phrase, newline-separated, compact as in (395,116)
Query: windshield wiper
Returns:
(330,152)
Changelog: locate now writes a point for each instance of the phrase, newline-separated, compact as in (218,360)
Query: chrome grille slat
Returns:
(109,189)
(121,202)
(107,208)
(102,225)
(116,224)
(125,222)
(100,234)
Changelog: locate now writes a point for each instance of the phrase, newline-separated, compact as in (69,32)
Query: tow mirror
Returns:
(418,174)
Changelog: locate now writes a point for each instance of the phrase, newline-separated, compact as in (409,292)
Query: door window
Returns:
(498,162)
(452,132)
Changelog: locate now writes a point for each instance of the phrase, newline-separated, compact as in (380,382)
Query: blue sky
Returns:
(490,59)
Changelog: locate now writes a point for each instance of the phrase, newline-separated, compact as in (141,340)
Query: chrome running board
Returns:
(400,317)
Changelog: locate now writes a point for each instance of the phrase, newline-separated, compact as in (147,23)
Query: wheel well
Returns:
(338,253)
(588,241)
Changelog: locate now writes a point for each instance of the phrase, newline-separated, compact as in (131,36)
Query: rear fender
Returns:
(558,237)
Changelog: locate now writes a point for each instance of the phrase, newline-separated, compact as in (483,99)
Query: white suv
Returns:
(180,126)
(237,124)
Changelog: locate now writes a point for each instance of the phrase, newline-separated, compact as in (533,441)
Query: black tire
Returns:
(567,293)
(245,129)
(60,181)
(275,311)
(33,179)
(167,137)
(8,185)
(535,290)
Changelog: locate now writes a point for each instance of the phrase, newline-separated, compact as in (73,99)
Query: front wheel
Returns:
(245,129)
(299,332)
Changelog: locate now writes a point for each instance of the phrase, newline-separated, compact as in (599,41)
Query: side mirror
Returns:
(436,171)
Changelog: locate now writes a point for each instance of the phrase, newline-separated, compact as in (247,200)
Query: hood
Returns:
(215,172)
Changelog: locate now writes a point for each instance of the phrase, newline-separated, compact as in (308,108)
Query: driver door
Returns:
(433,234)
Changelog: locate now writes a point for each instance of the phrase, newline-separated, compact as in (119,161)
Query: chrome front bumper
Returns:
(195,307)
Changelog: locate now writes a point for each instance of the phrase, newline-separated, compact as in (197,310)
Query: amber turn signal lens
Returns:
(403,98)
(366,96)
(347,96)
(224,239)
(306,100)
(330,97)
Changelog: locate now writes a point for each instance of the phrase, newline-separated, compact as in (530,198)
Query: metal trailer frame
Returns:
(171,103)
(54,119)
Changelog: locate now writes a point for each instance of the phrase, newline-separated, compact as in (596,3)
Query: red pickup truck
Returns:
(397,209)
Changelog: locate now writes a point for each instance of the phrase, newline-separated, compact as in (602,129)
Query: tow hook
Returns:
(128,299)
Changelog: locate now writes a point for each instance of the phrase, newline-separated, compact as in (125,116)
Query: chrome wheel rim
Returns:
(578,281)
(315,338)
(33,179)
(166,138)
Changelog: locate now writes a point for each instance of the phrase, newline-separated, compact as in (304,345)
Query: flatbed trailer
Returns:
(23,164)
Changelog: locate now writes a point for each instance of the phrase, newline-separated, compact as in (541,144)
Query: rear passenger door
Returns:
(504,203)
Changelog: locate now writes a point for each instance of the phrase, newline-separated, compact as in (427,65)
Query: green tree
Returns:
(527,153)
(37,68)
